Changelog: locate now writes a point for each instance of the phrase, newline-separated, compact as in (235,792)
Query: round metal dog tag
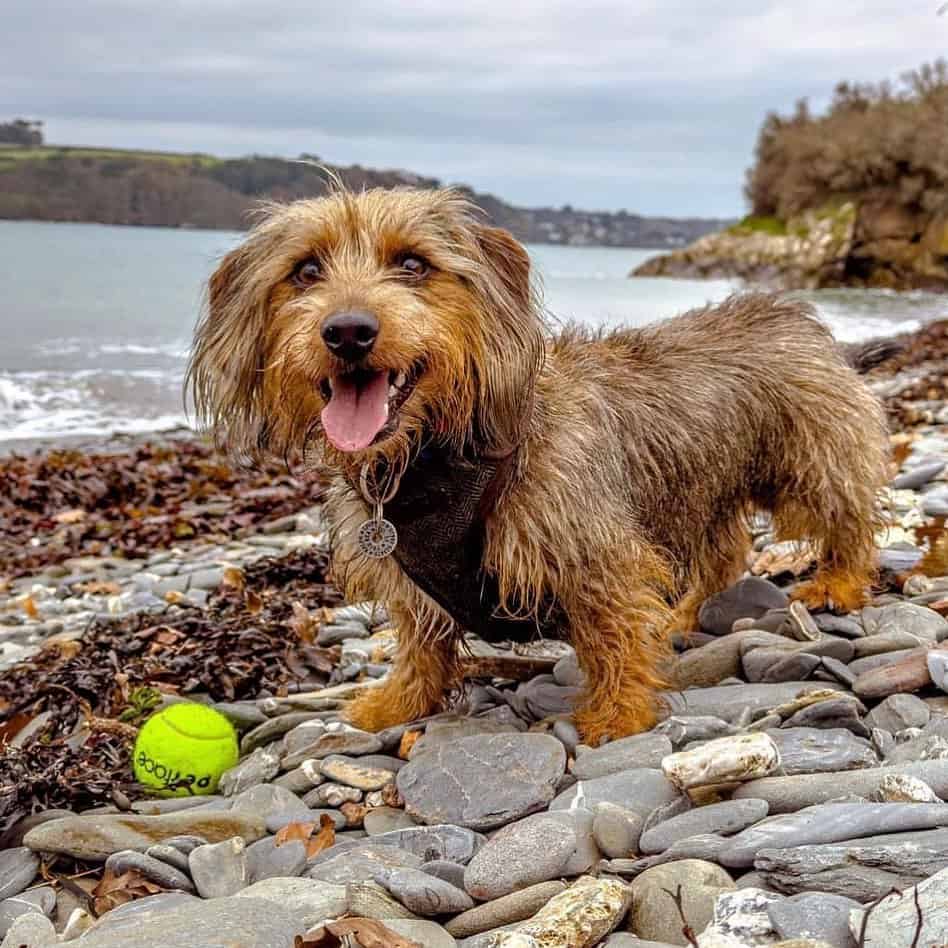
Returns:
(377,538)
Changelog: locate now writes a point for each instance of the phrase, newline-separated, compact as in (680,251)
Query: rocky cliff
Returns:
(872,242)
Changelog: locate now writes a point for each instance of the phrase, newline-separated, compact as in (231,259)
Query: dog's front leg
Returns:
(619,627)
(426,667)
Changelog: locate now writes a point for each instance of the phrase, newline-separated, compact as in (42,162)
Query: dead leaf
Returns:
(300,831)
(173,597)
(29,607)
(234,579)
(253,602)
(325,838)
(76,515)
(113,891)
(168,636)
(367,933)
(302,625)
(407,743)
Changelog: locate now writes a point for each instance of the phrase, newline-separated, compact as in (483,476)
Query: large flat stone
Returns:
(861,869)
(96,836)
(637,790)
(483,781)
(234,922)
(829,823)
(789,794)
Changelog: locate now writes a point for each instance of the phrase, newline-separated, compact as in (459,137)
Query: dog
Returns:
(490,475)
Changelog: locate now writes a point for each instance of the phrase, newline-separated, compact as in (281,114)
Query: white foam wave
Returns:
(178,349)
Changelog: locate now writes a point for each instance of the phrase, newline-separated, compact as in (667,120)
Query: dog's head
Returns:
(365,320)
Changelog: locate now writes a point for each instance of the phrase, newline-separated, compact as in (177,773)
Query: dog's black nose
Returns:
(350,336)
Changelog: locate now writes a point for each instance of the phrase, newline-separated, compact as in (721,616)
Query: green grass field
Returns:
(12,153)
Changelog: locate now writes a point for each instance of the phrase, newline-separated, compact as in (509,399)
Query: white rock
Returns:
(892,923)
(741,919)
(724,760)
(904,788)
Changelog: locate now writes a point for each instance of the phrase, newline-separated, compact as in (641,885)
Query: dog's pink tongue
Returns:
(356,413)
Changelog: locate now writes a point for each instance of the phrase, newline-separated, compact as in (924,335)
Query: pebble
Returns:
(864,869)
(586,853)
(359,863)
(639,791)
(331,794)
(266,859)
(789,794)
(384,819)
(831,822)
(727,759)
(816,915)
(616,830)
(41,900)
(424,894)
(452,782)
(421,932)
(580,917)
(506,910)
(725,818)
(443,869)
(899,788)
(454,843)
(266,800)
(351,772)
(938,668)
(919,475)
(808,750)
(235,922)
(720,701)
(18,867)
(521,854)
(741,918)
(169,854)
(309,902)
(897,712)
(30,930)
(158,871)
(654,914)
(894,923)
(96,837)
(219,869)
(639,751)
(271,729)
(747,598)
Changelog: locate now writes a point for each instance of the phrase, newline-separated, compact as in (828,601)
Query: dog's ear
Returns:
(510,262)
(223,376)
(514,343)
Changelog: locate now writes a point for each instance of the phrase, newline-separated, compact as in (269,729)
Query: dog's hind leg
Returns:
(426,667)
(716,563)
(618,625)
(845,538)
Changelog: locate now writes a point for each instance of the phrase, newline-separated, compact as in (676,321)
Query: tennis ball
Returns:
(184,749)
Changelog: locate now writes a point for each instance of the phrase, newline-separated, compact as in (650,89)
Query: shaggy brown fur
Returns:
(637,455)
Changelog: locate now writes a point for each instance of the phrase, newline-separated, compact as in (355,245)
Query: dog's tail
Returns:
(863,356)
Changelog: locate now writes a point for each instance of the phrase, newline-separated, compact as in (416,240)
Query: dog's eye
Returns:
(307,272)
(414,266)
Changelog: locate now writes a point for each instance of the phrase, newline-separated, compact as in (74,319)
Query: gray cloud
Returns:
(652,105)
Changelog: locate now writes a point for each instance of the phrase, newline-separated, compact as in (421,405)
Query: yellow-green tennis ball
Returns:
(184,749)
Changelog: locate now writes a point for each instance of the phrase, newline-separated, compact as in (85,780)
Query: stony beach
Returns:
(793,795)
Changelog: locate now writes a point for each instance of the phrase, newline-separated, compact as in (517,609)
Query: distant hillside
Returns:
(164,189)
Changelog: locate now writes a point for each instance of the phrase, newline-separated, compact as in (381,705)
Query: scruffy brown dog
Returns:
(579,485)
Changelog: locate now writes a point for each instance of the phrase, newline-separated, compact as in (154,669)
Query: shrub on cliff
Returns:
(874,138)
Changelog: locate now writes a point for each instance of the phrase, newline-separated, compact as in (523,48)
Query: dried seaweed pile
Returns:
(925,360)
(79,701)
(60,504)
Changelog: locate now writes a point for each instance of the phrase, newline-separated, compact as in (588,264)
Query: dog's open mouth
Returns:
(362,405)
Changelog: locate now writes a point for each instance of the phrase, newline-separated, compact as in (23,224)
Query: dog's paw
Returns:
(837,593)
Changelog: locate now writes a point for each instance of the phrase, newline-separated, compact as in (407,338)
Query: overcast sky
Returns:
(650,105)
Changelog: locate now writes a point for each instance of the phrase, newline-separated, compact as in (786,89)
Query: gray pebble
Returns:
(18,868)
(267,860)
(424,894)
(159,872)
(219,869)
(725,818)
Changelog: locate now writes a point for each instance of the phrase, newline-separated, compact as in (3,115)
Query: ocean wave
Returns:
(178,349)
(37,404)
